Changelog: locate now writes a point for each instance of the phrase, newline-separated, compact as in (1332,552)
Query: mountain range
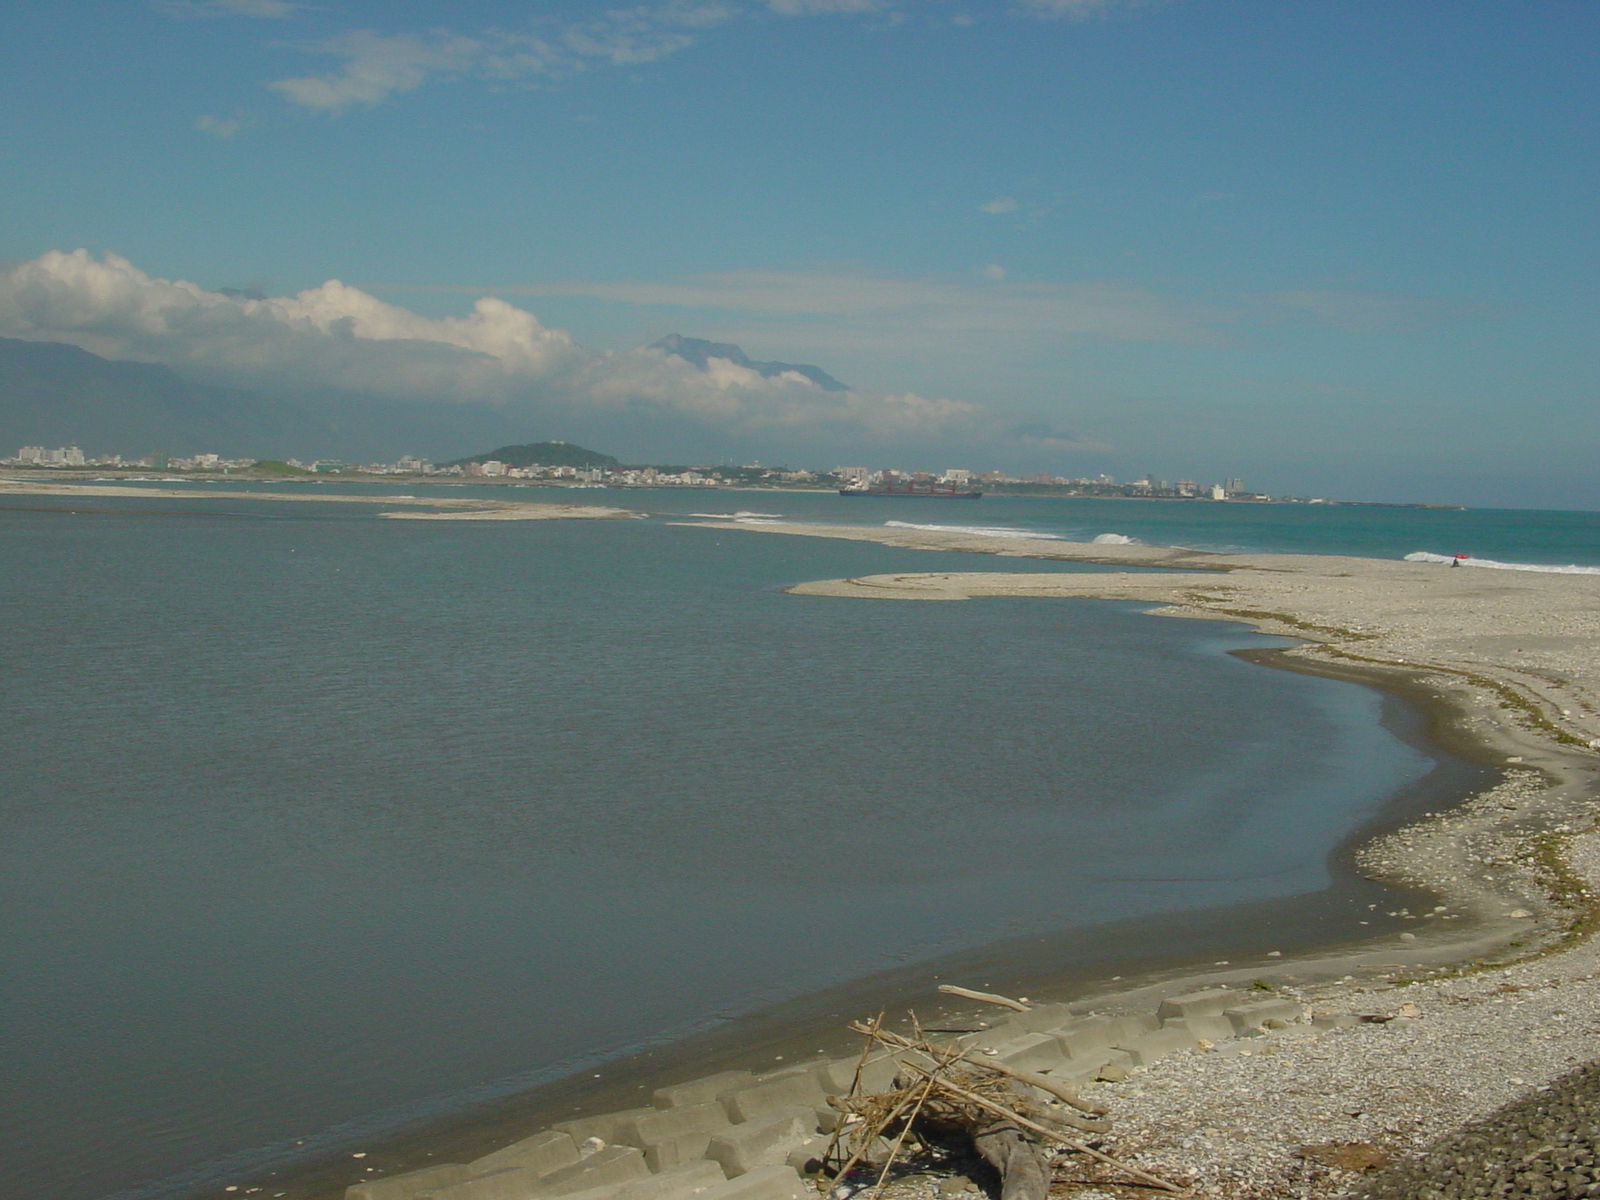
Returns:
(698,351)
(55,394)
(52,394)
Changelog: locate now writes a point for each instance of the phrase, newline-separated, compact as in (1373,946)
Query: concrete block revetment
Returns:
(758,1099)
(777,1182)
(762,1143)
(1213,1029)
(1046,1018)
(659,1124)
(1032,1052)
(516,1183)
(409,1185)
(1257,1013)
(544,1152)
(1145,1049)
(1088,1034)
(1087,1067)
(1208,1003)
(604,1126)
(698,1091)
(614,1164)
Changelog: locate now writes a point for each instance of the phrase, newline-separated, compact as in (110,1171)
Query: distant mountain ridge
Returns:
(55,394)
(698,351)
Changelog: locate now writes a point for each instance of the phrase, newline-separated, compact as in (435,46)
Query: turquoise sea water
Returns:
(1504,535)
(310,816)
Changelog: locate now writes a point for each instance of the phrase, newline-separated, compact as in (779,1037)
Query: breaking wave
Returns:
(1115,539)
(1546,568)
(977,530)
(741,515)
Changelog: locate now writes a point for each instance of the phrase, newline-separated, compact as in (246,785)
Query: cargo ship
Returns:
(906,487)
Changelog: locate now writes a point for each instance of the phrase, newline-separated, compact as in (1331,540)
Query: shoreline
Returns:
(1507,669)
(1519,715)
(456,508)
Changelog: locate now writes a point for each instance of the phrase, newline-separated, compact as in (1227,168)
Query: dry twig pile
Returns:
(942,1097)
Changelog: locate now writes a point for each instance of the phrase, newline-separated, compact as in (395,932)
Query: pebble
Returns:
(1392,1108)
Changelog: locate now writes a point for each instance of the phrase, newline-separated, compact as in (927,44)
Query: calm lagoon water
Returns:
(310,816)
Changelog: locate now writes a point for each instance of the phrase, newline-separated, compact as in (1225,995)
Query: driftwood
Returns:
(1043,1082)
(951,989)
(1024,1174)
(942,1095)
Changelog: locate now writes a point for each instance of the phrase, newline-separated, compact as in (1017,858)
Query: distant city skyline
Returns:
(1344,250)
(642,475)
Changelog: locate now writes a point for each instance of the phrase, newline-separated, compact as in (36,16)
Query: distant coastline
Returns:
(80,475)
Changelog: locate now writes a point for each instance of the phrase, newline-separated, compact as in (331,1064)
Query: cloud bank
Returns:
(272,10)
(904,311)
(376,66)
(338,338)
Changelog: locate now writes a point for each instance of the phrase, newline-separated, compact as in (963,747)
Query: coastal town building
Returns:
(617,475)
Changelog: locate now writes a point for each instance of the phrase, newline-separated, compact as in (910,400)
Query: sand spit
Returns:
(1494,995)
(494,511)
(458,509)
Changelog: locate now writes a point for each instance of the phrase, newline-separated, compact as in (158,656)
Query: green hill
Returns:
(543,454)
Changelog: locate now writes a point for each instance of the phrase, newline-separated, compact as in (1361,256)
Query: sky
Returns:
(1334,249)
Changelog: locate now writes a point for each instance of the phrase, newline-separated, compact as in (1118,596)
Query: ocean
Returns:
(316,822)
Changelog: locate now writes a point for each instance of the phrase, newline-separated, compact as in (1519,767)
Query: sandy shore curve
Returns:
(1492,995)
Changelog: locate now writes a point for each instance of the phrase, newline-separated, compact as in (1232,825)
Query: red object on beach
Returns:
(1463,556)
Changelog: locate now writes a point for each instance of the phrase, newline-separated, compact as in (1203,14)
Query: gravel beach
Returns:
(1483,1013)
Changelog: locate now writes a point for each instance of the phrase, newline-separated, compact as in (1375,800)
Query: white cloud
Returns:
(803,8)
(222,127)
(377,66)
(908,310)
(1002,204)
(268,9)
(1077,10)
(338,337)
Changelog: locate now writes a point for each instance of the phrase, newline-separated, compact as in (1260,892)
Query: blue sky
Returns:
(1340,249)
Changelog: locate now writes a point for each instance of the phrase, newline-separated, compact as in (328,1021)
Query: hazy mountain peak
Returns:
(699,350)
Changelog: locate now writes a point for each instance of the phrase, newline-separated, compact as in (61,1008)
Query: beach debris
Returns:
(951,989)
(1348,1156)
(941,1099)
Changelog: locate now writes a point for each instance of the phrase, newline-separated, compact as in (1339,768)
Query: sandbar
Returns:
(454,508)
